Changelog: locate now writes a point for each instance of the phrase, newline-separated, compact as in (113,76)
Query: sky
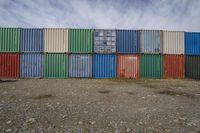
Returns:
(180,15)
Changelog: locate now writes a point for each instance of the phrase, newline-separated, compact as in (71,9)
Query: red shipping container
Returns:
(9,65)
(174,66)
(128,66)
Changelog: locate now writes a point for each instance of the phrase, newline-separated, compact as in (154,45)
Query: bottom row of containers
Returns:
(37,65)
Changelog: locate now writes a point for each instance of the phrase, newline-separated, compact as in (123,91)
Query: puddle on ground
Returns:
(44,96)
(104,92)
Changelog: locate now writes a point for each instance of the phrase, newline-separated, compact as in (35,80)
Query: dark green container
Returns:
(56,65)
(151,66)
(80,40)
(9,39)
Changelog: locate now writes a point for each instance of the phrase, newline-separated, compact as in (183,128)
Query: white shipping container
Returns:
(173,42)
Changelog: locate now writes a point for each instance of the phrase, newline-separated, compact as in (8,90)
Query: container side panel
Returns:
(192,67)
(192,43)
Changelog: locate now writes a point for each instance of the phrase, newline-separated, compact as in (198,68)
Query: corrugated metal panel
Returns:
(151,41)
(80,40)
(128,66)
(104,66)
(173,42)
(9,39)
(174,66)
(9,65)
(192,67)
(31,65)
(31,40)
(192,43)
(151,66)
(80,65)
(105,41)
(56,65)
(55,40)
(128,41)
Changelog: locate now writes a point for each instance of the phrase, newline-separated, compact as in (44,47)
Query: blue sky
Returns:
(181,15)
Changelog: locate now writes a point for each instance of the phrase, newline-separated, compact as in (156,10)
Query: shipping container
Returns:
(9,65)
(174,66)
(31,40)
(9,39)
(104,66)
(192,67)
(56,40)
(56,65)
(81,40)
(128,41)
(128,66)
(173,42)
(192,43)
(104,41)
(151,41)
(80,65)
(151,66)
(31,65)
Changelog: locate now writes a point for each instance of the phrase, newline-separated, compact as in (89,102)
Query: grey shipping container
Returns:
(104,41)
(192,67)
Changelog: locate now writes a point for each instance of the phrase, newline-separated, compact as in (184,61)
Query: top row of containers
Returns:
(99,41)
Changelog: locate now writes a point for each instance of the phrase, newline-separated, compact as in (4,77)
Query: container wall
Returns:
(104,66)
(151,41)
(56,65)
(128,66)
(9,65)
(192,67)
(104,41)
(56,40)
(128,41)
(173,42)
(80,65)
(9,39)
(174,66)
(31,65)
(192,43)
(151,66)
(81,40)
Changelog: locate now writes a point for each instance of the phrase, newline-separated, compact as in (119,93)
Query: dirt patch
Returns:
(45,96)
(7,81)
(105,92)
(175,93)
(130,93)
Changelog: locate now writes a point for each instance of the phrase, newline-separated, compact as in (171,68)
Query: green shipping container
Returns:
(9,39)
(56,65)
(80,40)
(151,66)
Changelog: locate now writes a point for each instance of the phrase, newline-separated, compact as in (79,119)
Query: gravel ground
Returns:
(107,105)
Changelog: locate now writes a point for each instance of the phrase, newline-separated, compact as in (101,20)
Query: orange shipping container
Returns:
(174,66)
(128,66)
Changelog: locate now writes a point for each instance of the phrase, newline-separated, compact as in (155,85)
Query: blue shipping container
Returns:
(128,41)
(104,66)
(31,65)
(192,43)
(80,65)
(31,40)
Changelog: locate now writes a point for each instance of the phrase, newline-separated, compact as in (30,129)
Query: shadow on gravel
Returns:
(175,93)
(104,92)
(7,81)
(44,96)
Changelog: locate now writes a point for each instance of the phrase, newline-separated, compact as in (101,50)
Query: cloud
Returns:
(113,14)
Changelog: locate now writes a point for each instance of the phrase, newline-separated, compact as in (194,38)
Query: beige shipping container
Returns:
(56,40)
(173,42)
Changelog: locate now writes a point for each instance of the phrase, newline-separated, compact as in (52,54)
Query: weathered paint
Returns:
(9,39)
(128,66)
(192,67)
(128,41)
(9,65)
(104,66)
(104,41)
(80,40)
(174,66)
(192,43)
(31,65)
(80,65)
(31,40)
(56,65)
(151,66)
(173,42)
(151,41)
(56,40)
